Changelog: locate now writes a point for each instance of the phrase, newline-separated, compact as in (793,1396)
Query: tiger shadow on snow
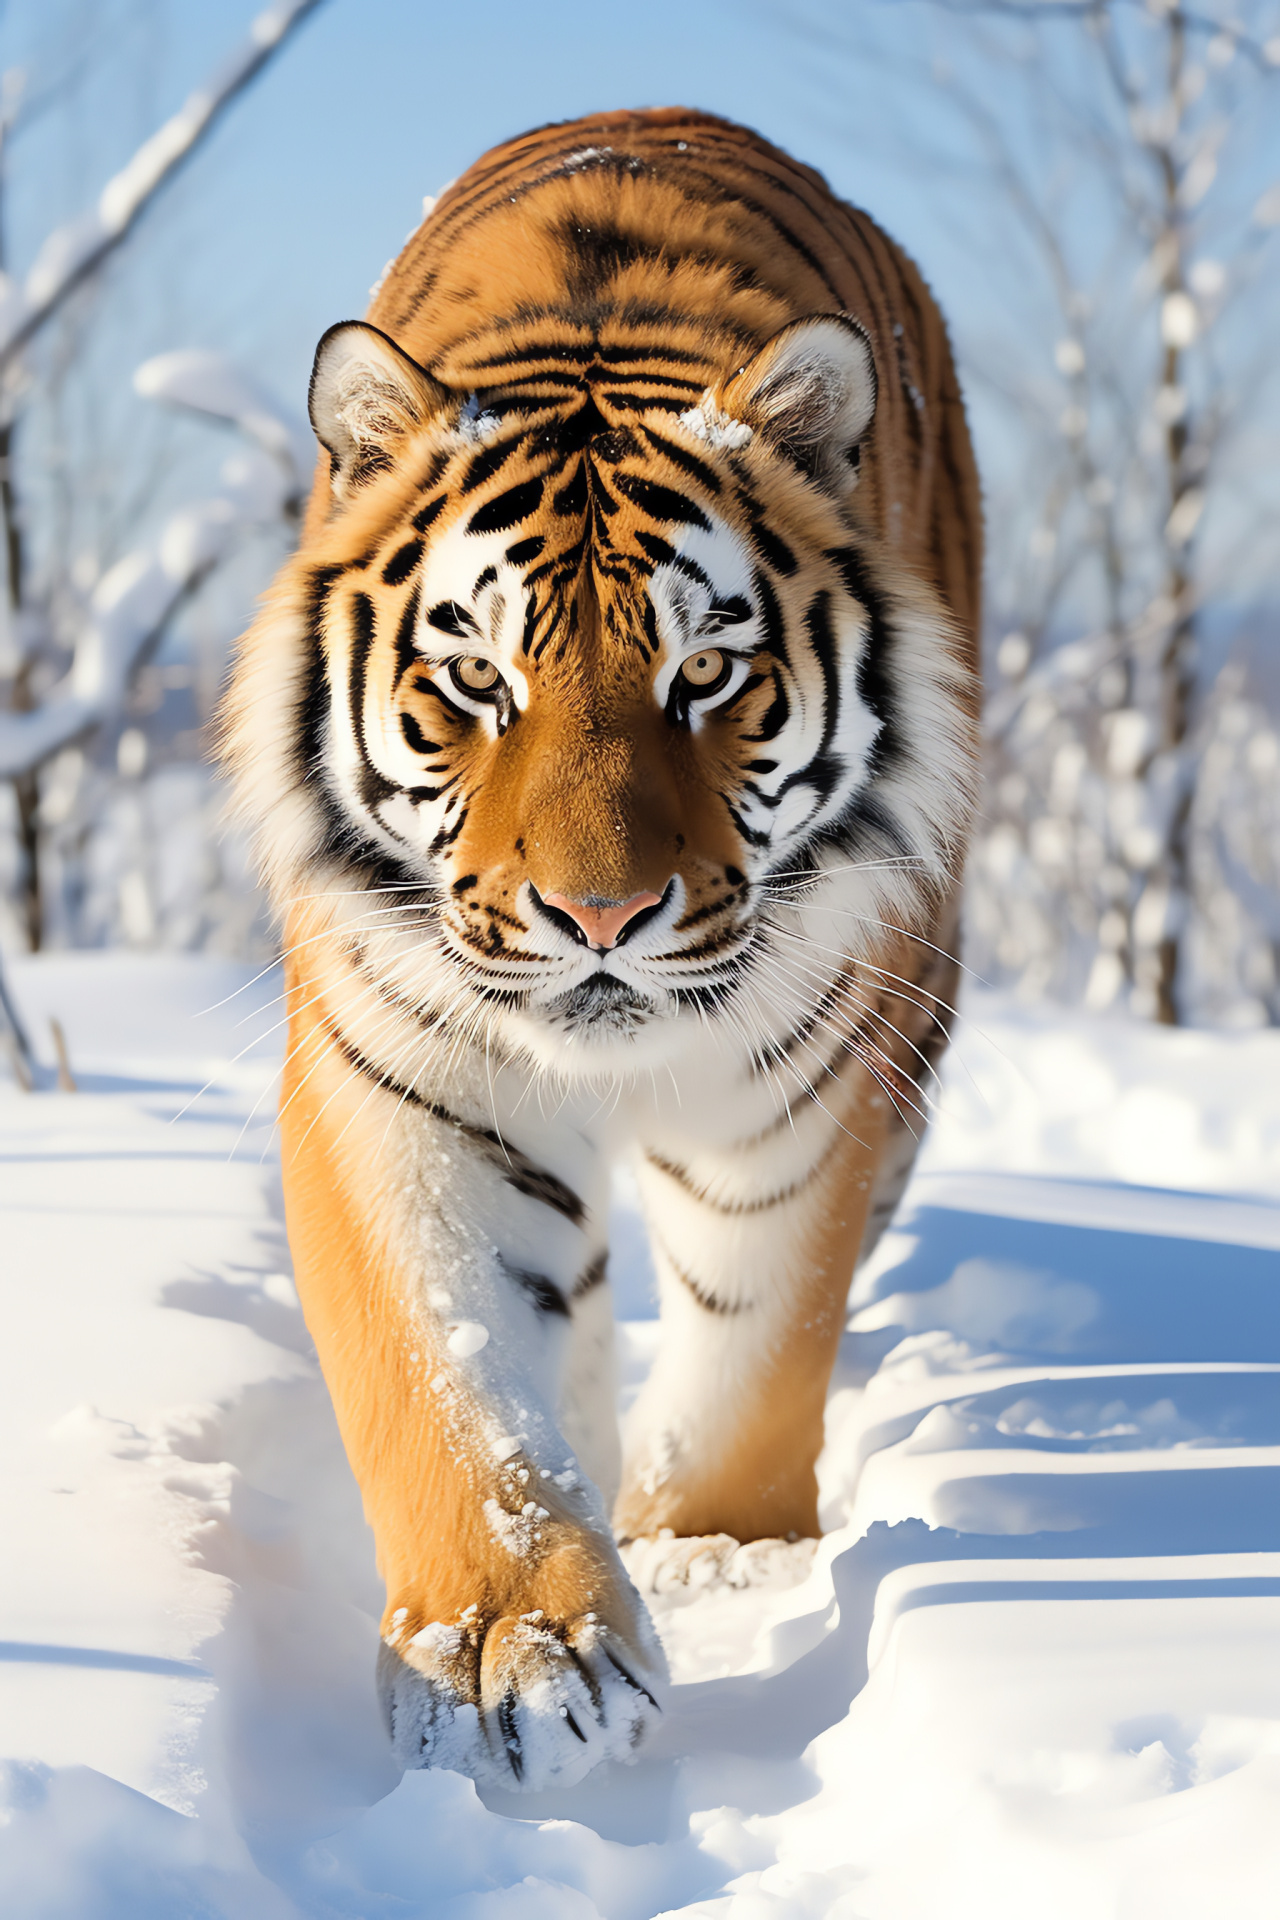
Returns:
(1066,1294)
(294,1738)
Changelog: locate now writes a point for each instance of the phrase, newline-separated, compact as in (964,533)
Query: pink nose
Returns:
(602,923)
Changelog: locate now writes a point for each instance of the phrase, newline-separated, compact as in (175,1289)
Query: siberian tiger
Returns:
(610,745)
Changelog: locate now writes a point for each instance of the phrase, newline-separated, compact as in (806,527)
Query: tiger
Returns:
(609,744)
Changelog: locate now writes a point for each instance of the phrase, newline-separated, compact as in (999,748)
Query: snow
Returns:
(1033,1667)
(466,1338)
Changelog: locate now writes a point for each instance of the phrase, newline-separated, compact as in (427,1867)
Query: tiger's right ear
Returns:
(811,390)
(366,398)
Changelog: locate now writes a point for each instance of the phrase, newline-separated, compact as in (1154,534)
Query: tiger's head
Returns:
(585,673)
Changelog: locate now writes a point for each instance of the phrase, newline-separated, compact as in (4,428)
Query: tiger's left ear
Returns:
(811,390)
(366,398)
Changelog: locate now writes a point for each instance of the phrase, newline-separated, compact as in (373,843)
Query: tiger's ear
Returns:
(366,398)
(811,390)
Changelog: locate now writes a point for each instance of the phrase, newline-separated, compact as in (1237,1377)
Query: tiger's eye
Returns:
(476,674)
(704,669)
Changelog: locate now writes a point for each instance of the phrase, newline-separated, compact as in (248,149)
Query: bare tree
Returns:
(72,653)
(1154,396)
(1103,161)
(74,252)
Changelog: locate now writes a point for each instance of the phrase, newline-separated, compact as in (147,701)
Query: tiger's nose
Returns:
(600,923)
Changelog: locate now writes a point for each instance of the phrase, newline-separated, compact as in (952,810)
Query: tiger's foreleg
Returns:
(437,1268)
(589,1381)
(754,1248)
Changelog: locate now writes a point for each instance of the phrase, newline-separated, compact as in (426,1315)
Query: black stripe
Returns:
(834,1066)
(709,1301)
(778,711)
(713,190)
(732,1209)
(515,1167)
(571,500)
(491,461)
(707,912)
(541,376)
(537,1184)
(416,738)
(691,463)
(864,812)
(659,402)
(823,641)
(509,1727)
(602,502)
(425,515)
(875,686)
(507,509)
(407,654)
(543,1294)
(584,354)
(660,551)
(447,835)
(402,563)
(692,571)
(639,401)
(591,1277)
(363,628)
(752,835)
(772,550)
(662,503)
(704,949)
(314,708)
(684,356)
(374,785)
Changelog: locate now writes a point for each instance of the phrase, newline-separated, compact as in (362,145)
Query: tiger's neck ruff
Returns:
(610,747)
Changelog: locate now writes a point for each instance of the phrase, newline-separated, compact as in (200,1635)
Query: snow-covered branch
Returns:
(1264,53)
(72,252)
(205,382)
(135,600)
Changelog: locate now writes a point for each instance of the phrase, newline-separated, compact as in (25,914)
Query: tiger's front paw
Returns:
(520,1695)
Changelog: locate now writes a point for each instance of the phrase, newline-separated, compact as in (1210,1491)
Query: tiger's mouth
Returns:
(603,1004)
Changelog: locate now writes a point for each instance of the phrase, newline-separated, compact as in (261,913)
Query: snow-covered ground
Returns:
(1036,1668)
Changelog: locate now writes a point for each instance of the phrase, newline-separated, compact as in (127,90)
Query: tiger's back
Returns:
(591,235)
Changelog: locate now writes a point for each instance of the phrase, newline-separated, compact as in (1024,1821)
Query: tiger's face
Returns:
(595,672)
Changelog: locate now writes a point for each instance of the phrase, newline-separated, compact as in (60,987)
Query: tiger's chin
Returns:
(600,1029)
(603,1008)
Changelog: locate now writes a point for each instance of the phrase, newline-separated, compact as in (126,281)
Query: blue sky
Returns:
(283,220)
(315,178)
